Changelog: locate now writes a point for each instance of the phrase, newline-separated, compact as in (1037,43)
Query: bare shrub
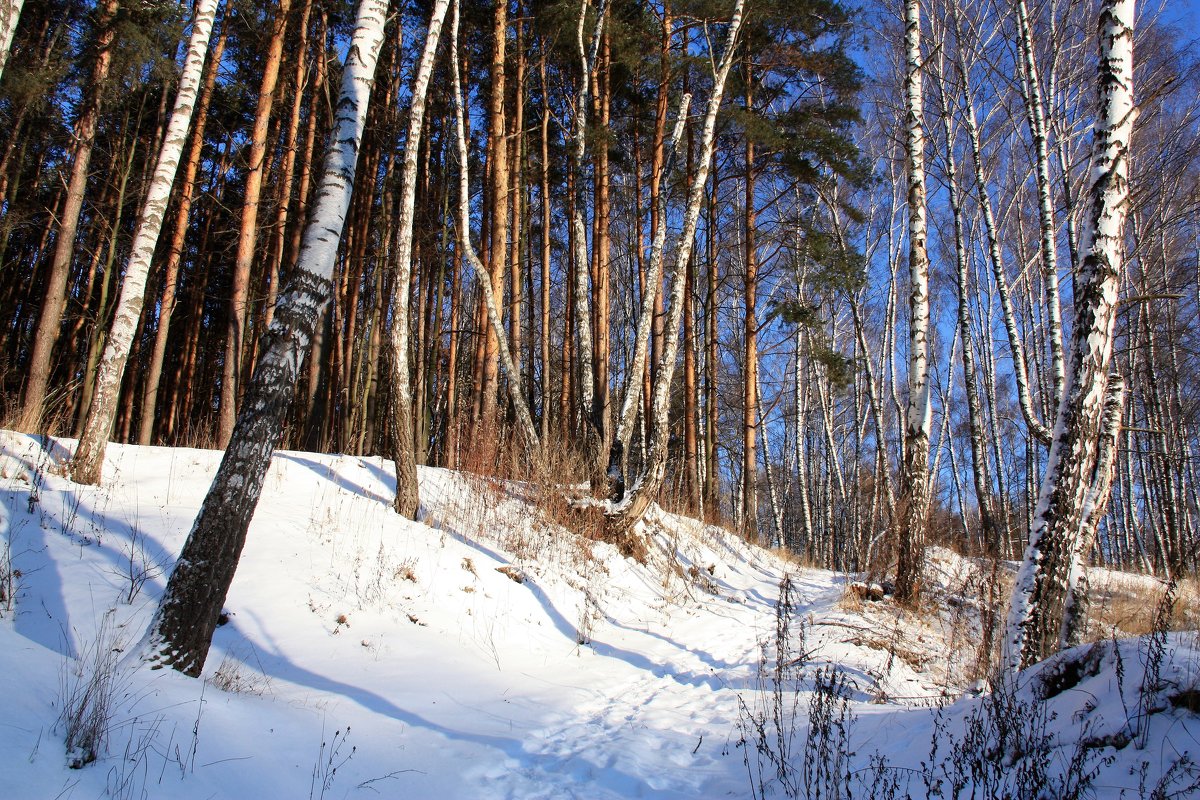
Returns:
(9,577)
(88,688)
(235,676)
(1002,749)
(136,568)
(1005,750)
(775,756)
(329,760)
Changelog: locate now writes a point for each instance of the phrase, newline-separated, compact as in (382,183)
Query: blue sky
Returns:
(1185,13)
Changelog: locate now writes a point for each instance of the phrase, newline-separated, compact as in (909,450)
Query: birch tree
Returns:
(634,388)
(400,405)
(918,412)
(1085,426)
(187,195)
(1036,116)
(975,421)
(994,251)
(524,419)
(622,515)
(88,462)
(181,631)
(594,424)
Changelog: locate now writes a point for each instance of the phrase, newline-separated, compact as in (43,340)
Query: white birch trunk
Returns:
(516,396)
(801,425)
(1035,112)
(10,14)
(622,516)
(883,472)
(1041,593)
(181,632)
(407,500)
(776,507)
(1074,624)
(1020,366)
(88,462)
(919,410)
(583,320)
(975,422)
(633,391)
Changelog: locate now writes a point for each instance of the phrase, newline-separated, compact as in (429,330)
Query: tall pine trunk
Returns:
(187,193)
(46,334)
(487,295)
(749,506)
(236,344)
(497,252)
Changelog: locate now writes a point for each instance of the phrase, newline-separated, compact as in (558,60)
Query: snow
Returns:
(484,652)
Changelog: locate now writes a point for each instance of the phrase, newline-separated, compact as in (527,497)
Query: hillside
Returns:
(488,652)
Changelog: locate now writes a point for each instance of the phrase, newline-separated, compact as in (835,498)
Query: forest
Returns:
(849,280)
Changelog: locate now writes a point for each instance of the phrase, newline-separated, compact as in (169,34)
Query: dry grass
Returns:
(793,558)
(235,676)
(1126,605)
(89,687)
(851,601)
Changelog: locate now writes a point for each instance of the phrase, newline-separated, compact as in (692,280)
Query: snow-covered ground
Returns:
(488,653)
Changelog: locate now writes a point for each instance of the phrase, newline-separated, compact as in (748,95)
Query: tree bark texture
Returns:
(46,335)
(236,342)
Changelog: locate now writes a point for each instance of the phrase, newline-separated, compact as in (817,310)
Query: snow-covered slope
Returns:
(484,652)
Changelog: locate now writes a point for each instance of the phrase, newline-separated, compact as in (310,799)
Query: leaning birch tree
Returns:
(88,462)
(626,512)
(1078,470)
(400,403)
(594,426)
(918,411)
(633,392)
(515,395)
(181,631)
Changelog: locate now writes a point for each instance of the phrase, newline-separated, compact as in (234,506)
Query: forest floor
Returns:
(486,652)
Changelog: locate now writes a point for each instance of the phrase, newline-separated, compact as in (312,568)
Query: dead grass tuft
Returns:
(1126,605)
(233,675)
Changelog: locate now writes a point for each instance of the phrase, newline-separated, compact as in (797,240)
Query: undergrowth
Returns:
(797,730)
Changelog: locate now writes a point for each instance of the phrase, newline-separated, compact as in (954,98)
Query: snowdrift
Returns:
(487,652)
